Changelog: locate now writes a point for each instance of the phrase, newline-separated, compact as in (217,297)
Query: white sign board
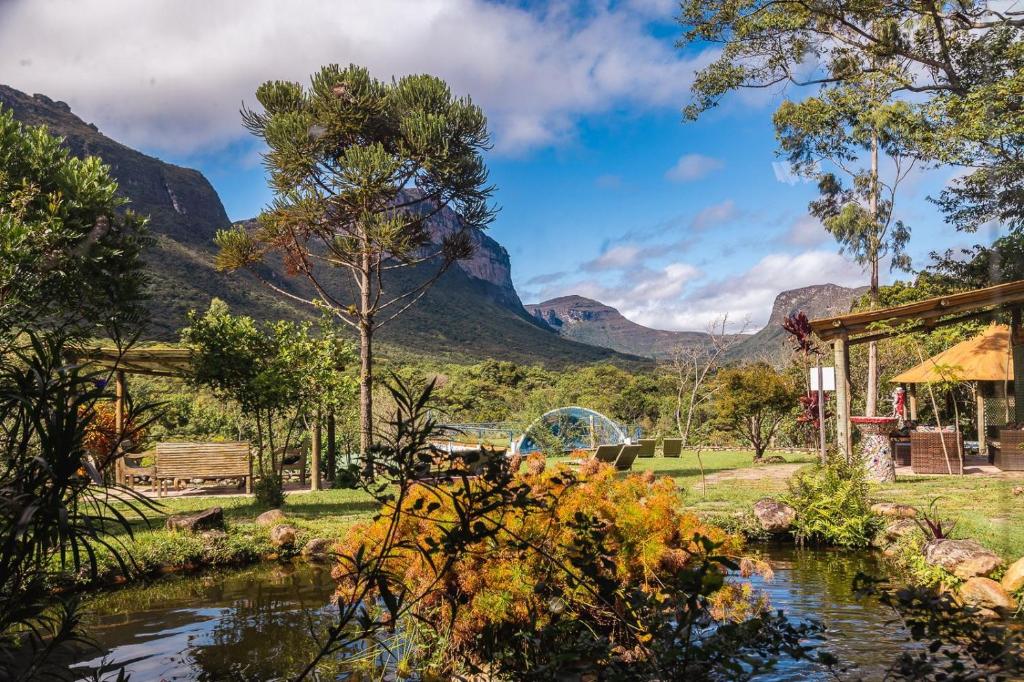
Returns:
(828,376)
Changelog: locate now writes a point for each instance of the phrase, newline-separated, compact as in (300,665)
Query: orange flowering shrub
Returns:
(587,556)
(100,439)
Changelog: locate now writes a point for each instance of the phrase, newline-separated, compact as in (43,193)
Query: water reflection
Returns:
(818,584)
(256,624)
(250,625)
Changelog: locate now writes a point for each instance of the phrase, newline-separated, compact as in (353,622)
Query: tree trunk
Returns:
(871,407)
(366,358)
(332,447)
(365,388)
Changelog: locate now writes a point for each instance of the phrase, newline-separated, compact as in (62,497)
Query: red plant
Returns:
(809,409)
(799,328)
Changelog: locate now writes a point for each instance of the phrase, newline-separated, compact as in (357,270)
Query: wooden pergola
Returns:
(161,362)
(844,331)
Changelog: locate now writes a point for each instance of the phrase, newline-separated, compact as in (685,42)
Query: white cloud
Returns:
(173,74)
(716,214)
(615,258)
(750,295)
(692,167)
(805,231)
(680,297)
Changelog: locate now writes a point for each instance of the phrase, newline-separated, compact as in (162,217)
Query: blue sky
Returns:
(603,190)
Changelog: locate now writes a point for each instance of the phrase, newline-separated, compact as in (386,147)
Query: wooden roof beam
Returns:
(999,296)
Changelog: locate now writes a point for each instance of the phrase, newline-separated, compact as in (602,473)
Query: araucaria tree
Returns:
(837,138)
(358,168)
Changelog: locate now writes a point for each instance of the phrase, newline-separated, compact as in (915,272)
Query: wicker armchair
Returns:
(927,455)
(1010,455)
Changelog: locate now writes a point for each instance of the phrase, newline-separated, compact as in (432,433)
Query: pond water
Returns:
(255,624)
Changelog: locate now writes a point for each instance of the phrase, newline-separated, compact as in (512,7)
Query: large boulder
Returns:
(985,593)
(317,549)
(893,510)
(207,519)
(270,518)
(899,528)
(283,536)
(1013,579)
(774,516)
(963,558)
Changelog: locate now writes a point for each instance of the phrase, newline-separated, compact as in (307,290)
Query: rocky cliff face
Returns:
(588,321)
(489,263)
(180,202)
(820,300)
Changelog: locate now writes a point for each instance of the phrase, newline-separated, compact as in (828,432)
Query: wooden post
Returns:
(120,409)
(912,401)
(314,446)
(332,447)
(844,441)
(1017,347)
(979,400)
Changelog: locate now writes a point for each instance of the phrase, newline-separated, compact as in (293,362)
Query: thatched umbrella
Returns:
(985,361)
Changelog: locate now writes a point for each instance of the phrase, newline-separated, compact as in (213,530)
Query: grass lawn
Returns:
(983,507)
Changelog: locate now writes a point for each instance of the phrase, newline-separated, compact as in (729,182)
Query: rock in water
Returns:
(1013,579)
(774,516)
(270,518)
(898,528)
(206,519)
(963,558)
(283,536)
(317,549)
(986,593)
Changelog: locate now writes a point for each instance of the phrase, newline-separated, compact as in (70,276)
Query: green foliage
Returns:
(69,253)
(52,514)
(277,375)
(960,65)
(269,491)
(831,503)
(753,401)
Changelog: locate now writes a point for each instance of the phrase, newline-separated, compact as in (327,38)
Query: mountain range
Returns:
(589,321)
(471,313)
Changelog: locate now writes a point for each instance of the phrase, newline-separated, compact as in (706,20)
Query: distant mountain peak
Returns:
(816,300)
(592,322)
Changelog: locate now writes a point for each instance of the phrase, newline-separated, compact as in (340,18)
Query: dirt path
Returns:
(772,472)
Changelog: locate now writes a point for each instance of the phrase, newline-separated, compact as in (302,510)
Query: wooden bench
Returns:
(203,460)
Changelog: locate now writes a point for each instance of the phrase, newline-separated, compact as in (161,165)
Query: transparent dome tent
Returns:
(570,428)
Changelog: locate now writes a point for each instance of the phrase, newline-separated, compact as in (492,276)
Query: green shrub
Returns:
(832,506)
(269,491)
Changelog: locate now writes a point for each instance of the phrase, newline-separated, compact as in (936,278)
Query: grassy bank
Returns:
(984,508)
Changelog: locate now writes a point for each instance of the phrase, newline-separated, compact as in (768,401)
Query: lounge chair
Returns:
(608,453)
(628,455)
(672,447)
(647,447)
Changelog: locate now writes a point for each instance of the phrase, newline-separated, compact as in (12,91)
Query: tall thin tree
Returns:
(827,138)
(359,167)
